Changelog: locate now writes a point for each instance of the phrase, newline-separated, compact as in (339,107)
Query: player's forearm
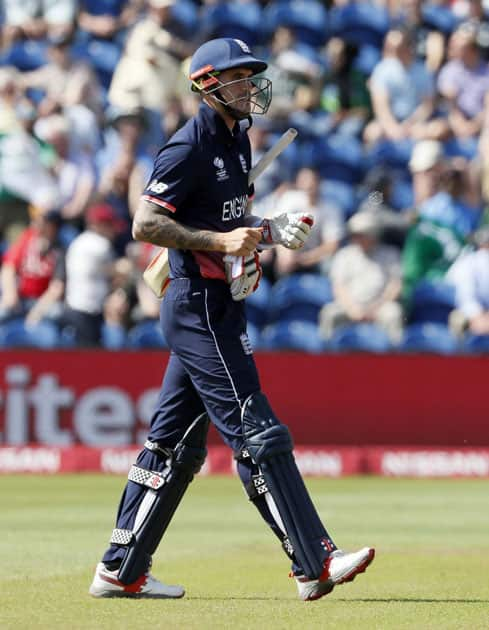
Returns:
(152,225)
(166,232)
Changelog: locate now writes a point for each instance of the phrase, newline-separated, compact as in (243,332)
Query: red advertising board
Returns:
(105,399)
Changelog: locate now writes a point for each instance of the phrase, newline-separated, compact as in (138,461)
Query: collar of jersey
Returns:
(213,122)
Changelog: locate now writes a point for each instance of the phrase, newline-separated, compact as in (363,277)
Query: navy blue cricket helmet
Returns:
(225,53)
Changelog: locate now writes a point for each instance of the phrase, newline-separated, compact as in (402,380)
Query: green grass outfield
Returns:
(431,569)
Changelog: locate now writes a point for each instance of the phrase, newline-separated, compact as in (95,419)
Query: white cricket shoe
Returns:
(339,567)
(106,584)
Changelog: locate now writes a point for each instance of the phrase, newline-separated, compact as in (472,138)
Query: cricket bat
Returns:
(156,274)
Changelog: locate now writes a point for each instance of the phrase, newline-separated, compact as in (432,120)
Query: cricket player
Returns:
(197,204)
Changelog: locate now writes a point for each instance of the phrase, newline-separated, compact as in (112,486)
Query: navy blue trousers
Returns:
(211,368)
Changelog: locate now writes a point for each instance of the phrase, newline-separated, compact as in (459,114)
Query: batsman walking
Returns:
(197,204)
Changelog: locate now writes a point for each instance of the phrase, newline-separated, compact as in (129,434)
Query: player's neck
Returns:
(229,121)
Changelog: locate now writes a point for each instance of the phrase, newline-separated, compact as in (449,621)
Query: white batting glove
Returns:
(243,274)
(290,229)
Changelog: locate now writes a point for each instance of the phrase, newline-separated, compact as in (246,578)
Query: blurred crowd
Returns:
(390,98)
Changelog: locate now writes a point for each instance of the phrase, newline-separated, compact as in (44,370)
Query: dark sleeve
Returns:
(173,178)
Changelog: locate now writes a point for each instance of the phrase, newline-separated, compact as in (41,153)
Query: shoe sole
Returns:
(122,595)
(349,577)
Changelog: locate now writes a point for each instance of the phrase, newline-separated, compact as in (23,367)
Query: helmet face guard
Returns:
(242,97)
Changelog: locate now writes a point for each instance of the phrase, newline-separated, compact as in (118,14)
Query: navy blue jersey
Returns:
(201,177)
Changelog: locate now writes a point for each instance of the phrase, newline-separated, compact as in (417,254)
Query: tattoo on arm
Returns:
(154,224)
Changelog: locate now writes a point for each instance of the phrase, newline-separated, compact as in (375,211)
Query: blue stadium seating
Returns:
(146,335)
(257,304)
(360,337)
(341,194)
(401,196)
(14,334)
(440,18)
(185,12)
(367,58)
(25,55)
(475,344)
(293,335)
(299,297)
(242,20)
(307,18)
(338,157)
(113,337)
(432,301)
(428,337)
(391,154)
(360,23)
(461,147)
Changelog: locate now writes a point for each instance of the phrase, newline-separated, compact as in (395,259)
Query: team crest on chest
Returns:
(243,163)
(221,173)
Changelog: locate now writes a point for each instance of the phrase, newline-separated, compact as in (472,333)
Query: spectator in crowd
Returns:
(36,19)
(74,172)
(89,270)
(89,91)
(426,166)
(24,176)
(295,75)
(326,234)
(464,82)
(64,80)
(147,305)
(33,271)
(470,277)
(104,20)
(474,15)
(120,187)
(439,236)
(378,187)
(403,95)
(429,44)
(344,92)
(152,51)
(366,280)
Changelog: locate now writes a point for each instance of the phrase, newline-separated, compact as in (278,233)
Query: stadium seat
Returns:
(475,344)
(146,335)
(461,147)
(360,23)
(102,55)
(338,157)
(432,301)
(25,55)
(242,20)
(439,17)
(185,12)
(307,18)
(294,335)
(14,334)
(428,337)
(114,337)
(367,58)
(360,337)
(341,194)
(257,304)
(311,125)
(391,154)
(402,196)
(299,297)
